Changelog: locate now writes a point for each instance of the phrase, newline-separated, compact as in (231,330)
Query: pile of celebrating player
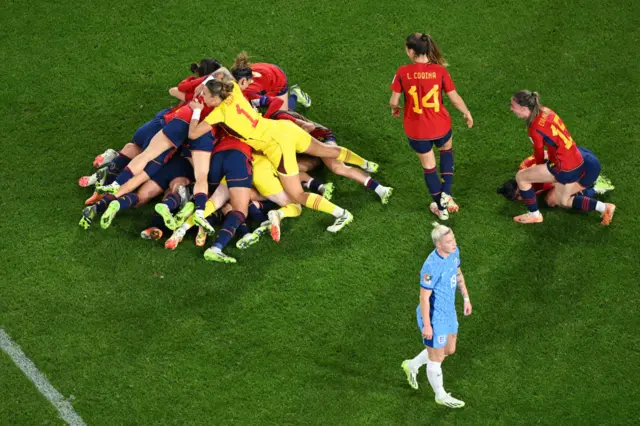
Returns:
(244,166)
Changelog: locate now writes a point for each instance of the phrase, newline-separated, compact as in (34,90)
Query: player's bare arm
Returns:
(427,331)
(394,103)
(458,103)
(462,288)
(196,130)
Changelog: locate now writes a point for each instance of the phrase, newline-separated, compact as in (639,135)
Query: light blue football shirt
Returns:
(440,275)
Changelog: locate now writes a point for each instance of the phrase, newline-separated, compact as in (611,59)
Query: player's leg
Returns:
(360,176)
(424,150)
(525,178)
(569,195)
(201,162)
(159,144)
(445,146)
(318,149)
(436,349)
(240,199)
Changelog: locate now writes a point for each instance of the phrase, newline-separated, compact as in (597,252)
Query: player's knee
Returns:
(179,181)
(550,199)
(449,350)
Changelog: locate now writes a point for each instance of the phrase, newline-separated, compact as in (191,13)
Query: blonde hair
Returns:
(439,231)
(530,100)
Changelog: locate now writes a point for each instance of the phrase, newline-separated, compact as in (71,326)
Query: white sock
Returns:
(321,188)
(421,359)
(381,190)
(600,206)
(536,213)
(338,211)
(434,374)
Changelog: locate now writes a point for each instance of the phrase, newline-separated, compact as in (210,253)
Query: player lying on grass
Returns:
(278,140)
(510,190)
(325,135)
(567,168)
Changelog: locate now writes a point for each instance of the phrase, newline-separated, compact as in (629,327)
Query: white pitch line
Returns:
(64,407)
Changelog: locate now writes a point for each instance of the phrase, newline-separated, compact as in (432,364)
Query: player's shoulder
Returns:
(434,260)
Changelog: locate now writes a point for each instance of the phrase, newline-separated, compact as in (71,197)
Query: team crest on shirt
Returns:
(426,278)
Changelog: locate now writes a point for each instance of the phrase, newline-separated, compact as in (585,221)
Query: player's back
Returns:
(562,149)
(267,80)
(423,85)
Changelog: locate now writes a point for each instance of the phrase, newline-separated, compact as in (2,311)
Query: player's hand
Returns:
(395,111)
(308,127)
(196,104)
(199,90)
(469,119)
(467,308)
(427,332)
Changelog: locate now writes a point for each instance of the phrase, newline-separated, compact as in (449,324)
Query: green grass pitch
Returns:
(313,330)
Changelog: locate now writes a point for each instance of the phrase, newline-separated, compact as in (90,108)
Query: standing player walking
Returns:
(426,121)
(436,313)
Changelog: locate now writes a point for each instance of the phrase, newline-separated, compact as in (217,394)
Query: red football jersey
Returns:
(538,187)
(224,141)
(184,112)
(425,116)
(548,130)
(268,80)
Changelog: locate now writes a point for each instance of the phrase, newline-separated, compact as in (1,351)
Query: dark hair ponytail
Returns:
(530,100)
(220,88)
(205,67)
(423,44)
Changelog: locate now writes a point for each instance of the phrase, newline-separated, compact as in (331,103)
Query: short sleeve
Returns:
(396,84)
(447,82)
(216,116)
(427,280)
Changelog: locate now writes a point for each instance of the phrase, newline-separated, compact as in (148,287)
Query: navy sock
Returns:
(314,185)
(128,200)
(233,220)
(529,198)
(124,176)
(157,221)
(589,192)
(119,163)
(372,184)
(242,230)
(586,204)
(433,183)
(256,214)
(446,170)
(102,205)
(200,200)
(293,99)
(172,201)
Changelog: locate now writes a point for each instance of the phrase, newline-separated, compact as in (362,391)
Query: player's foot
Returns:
(200,220)
(112,188)
(411,374)
(449,401)
(183,192)
(442,214)
(301,97)
(603,185)
(251,238)
(95,197)
(340,222)
(387,194)
(152,233)
(529,218)
(88,215)
(216,255)
(328,191)
(163,210)
(110,214)
(447,202)
(85,181)
(175,239)
(369,166)
(607,216)
(274,220)
(201,238)
(106,157)
(185,212)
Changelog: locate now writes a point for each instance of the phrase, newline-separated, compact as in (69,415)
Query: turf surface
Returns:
(313,330)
